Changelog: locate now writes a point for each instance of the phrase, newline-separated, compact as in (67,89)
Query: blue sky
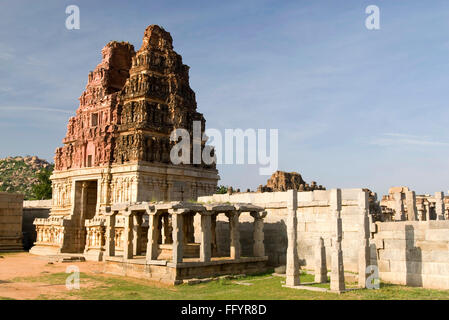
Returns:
(354,107)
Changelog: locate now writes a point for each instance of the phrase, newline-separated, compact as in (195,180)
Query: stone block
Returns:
(434,281)
(441,256)
(392,254)
(437,235)
(384,265)
(435,268)
(438,224)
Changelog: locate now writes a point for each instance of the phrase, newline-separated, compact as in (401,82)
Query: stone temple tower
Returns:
(117,146)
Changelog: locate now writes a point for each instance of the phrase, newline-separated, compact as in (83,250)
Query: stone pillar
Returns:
(185,227)
(110,235)
(178,248)
(108,189)
(427,209)
(137,234)
(188,228)
(421,210)
(337,272)
(161,231)
(399,207)
(214,235)
(258,247)
(364,234)
(167,230)
(410,198)
(320,262)
(205,247)
(153,237)
(83,203)
(292,267)
(128,245)
(439,205)
(235,235)
(81,232)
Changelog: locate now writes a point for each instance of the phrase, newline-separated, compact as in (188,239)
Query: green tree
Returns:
(221,190)
(42,190)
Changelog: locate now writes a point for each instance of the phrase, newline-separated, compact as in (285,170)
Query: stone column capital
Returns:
(258,215)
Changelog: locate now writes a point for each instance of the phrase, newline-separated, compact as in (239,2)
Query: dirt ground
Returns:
(24,264)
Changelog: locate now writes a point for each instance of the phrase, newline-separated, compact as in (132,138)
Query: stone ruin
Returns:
(160,241)
(283,181)
(132,102)
(11,207)
(117,146)
(117,197)
(402,204)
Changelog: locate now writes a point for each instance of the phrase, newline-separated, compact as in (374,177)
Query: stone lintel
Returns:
(119,207)
(246,207)
(141,206)
(219,207)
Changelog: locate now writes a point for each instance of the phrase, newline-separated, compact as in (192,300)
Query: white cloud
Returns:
(21,108)
(395,139)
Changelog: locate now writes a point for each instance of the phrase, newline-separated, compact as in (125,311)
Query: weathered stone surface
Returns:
(320,262)
(364,231)
(32,210)
(399,205)
(283,181)
(337,267)
(292,267)
(90,138)
(413,253)
(314,218)
(117,147)
(412,212)
(147,90)
(10,221)
(439,205)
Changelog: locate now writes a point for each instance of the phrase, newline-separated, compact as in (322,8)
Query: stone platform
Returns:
(171,273)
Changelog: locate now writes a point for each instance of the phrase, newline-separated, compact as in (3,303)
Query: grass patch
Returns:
(263,287)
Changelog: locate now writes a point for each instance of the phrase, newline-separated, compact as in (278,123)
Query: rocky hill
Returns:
(283,181)
(18,174)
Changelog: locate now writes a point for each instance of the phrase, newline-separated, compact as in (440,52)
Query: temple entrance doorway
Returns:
(86,193)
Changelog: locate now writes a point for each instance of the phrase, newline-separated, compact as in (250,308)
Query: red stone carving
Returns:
(131,104)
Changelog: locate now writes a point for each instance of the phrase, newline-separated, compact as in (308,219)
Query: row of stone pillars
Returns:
(337,278)
(413,212)
(178,211)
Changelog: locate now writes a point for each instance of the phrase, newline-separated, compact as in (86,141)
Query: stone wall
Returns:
(413,253)
(10,221)
(31,210)
(314,220)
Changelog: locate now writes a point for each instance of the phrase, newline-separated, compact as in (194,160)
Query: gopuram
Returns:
(117,147)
